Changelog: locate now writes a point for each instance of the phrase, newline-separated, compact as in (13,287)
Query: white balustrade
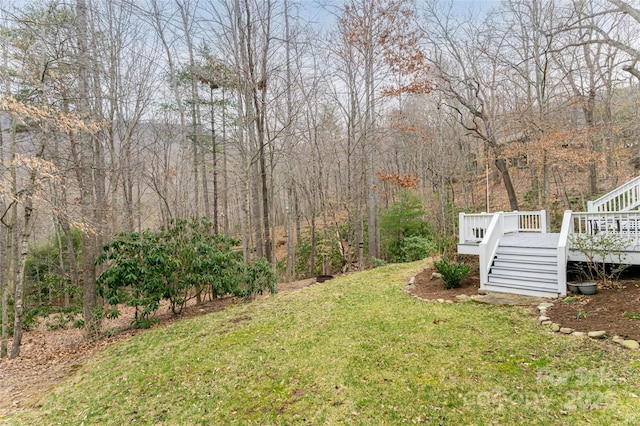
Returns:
(473,227)
(623,198)
(624,224)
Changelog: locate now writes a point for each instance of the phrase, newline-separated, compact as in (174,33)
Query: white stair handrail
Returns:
(623,198)
(489,246)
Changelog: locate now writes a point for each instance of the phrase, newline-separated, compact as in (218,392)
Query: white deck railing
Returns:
(474,226)
(624,224)
(623,198)
(534,221)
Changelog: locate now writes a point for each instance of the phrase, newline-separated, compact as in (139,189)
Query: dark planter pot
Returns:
(573,288)
(588,288)
(323,278)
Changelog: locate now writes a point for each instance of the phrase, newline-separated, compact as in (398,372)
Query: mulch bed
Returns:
(608,309)
(615,310)
(427,288)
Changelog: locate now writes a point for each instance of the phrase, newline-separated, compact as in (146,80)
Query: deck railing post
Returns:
(543,221)
(567,224)
(462,228)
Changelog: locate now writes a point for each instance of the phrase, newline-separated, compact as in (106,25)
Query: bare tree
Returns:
(381,43)
(464,63)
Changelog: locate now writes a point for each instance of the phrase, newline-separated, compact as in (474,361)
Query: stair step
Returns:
(515,282)
(529,251)
(532,286)
(520,274)
(528,291)
(529,264)
(526,258)
(522,286)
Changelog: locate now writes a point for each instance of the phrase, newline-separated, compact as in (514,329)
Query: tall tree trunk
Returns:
(225,169)
(89,297)
(589,118)
(5,247)
(198,153)
(214,161)
(5,271)
(4,243)
(265,208)
(27,225)
(312,253)
(181,197)
(290,272)
(501,164)
(12,239)
(18,301)
(71,251)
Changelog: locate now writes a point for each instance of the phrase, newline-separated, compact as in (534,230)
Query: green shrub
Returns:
(404,234)
(415,248)
(57,322)
(143,323)
(376,263)
(452,273)
(30,319)
(258,277)
(173,264)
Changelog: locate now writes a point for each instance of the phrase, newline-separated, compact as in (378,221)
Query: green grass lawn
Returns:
(354,350)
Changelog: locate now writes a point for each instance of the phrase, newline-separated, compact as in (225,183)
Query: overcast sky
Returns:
(323,11)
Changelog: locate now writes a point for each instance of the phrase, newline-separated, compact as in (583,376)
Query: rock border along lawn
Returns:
(543,319)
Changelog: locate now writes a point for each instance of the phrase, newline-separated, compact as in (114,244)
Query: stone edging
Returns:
(543,319)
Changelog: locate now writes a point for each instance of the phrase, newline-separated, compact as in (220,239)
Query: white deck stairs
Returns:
(622,199)
(527,263)
(517,255)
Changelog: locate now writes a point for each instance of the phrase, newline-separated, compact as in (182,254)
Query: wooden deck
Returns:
(631,256)
(522,239)
(517,255)
(532,240)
